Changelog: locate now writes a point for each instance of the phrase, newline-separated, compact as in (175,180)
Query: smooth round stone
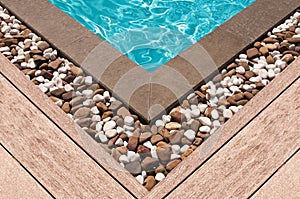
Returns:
(88,93)
(128,120)
(227,113)
(99,126)
(240,70)
(120,130)
(159,123)
(98,98)
(271,74)
(204,129)
(216,123)
(140,179)
(195,113)
(234,109)
(159,177)
(88,80)
(205,121)
(106,95)
(175,156)
(263,73)
(190,134)
(202,107)
(133,157)
(95,110)
(124,159)
(119,142)
(148,144)
(102,137)
(215,114)
(109,125)
(166,118)
(175,149)
(96,118)
(111,133)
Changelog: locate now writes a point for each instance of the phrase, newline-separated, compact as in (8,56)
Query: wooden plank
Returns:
(68,126)
(15,181)
(250,158)
(48,154)
(227,131)
(285,183)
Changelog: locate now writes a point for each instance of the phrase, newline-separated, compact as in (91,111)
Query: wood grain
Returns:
(70,128)
(15,181)
(227,131)
(284,184)
(48,154)
(250,158)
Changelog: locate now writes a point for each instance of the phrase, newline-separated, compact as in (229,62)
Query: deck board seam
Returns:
(27,171)
(227,141)
(68,136)
(276,171)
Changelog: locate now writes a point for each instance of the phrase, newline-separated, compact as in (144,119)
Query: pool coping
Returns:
(129,82)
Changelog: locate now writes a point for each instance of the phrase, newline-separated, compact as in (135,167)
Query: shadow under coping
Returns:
(162,86)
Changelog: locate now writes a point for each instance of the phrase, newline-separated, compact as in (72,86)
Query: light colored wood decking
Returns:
(285,183)
(15,181)
(48,154)
(237,161)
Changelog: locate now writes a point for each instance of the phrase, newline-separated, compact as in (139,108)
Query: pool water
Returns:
(151,32)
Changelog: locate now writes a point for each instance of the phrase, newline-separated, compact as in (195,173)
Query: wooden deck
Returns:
(45,155)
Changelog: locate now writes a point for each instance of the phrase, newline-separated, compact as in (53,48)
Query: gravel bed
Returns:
(149,152)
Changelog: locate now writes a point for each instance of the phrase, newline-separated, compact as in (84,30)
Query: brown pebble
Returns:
(178,116)
(58,92)
(264,51)
(133,142)
(123,112)
(171,165)
(270,60)
(160,169)
(242,102)
(175,137)
(55,64)
(238,96)
(66,107)
(248,95)
(249,74)
(107,114)
(134,168)
(231,66)
(145,137)
(82,112)
(156,138)
(252,53)
(149,182)
(149,164)
(102,107)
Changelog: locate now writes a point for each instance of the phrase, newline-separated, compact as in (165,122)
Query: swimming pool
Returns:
(151,32)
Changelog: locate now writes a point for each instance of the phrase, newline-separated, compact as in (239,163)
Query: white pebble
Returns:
(128,120)
(263,73)
(124,159)
(88,80)
(140,179)
(204,129)
(227,113)
(190,134)
(106,95)
(205,121)
(102,137)
(109,125)
(159,177)
(184,148)
(96,118)
(175,156)
(159,123)
(175,149)
(215,114)
(111,133)
(119,142)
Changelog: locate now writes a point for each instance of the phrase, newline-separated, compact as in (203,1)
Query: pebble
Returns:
(190,134)
(204,129)
(205,121)
(159,177)
(109,125)
(110,133)
(227,113)
(129,121)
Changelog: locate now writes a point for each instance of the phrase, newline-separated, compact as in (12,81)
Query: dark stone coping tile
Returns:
(150,94)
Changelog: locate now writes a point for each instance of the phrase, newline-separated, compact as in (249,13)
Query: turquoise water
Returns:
(151,32)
